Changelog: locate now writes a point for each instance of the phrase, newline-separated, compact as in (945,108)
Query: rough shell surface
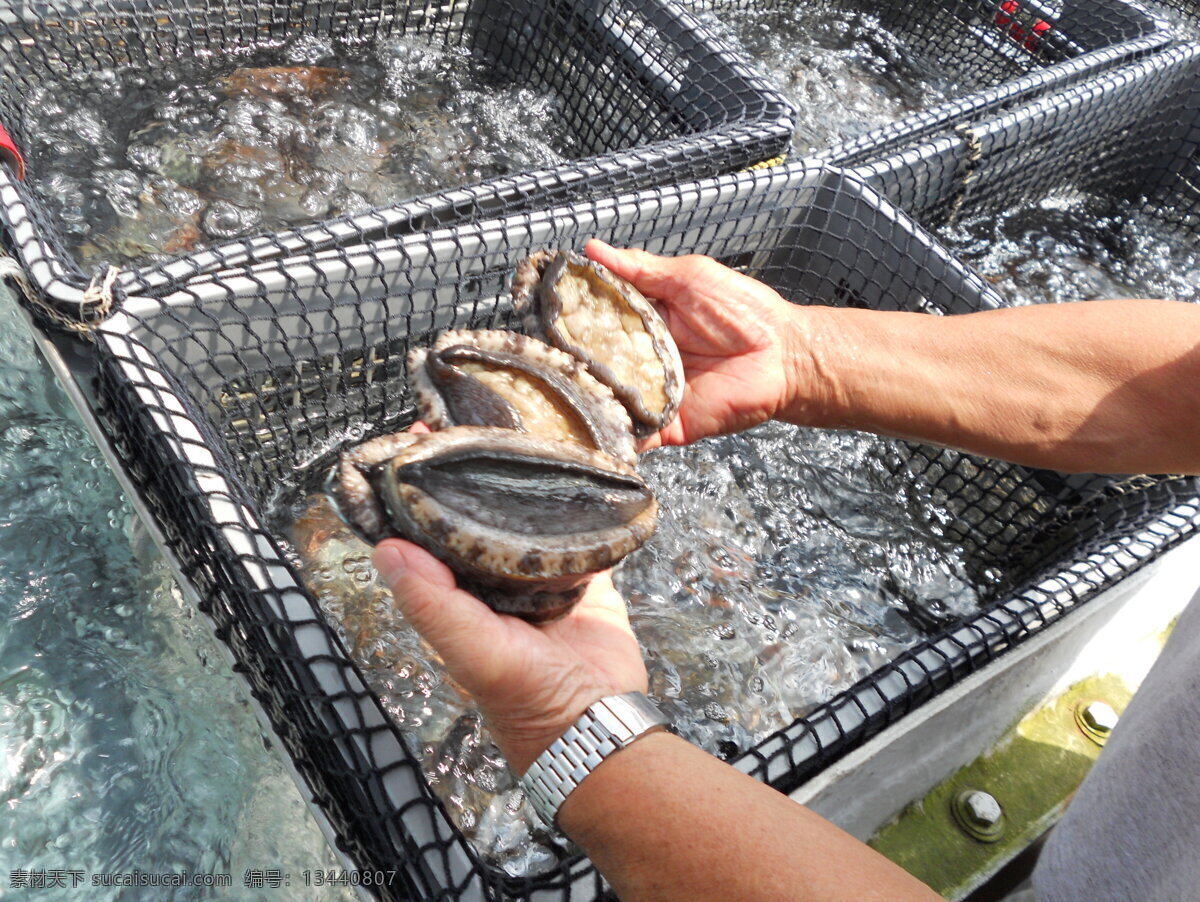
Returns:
(507,380)
(352,491)
(524,521)
(582,308)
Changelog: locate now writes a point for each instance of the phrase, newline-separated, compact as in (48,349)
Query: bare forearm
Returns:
(664,820)
(1104,386)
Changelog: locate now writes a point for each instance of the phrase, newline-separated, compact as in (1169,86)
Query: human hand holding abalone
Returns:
(527,485)
(745,352)
(530,682)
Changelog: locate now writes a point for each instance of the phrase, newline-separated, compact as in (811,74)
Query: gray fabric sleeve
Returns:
(1132,833)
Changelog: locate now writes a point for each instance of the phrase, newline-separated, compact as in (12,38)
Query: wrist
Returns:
(606,728)
(523,739)
(811,340)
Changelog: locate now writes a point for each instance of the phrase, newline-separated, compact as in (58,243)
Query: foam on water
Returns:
(843,72)
(126,743)
(1073,247)
(144,165)
(788,564)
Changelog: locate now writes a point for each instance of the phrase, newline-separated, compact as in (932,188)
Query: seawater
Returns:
(141,165)
(126,744)
(844,72)
(788,564)
(1074,246)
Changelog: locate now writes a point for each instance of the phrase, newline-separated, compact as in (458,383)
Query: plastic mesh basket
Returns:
(1129,134)
(1182,17)
(985,54)
(216,392)
(1130,137)
(645,95)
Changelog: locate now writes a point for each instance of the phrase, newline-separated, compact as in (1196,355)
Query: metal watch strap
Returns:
(607,725)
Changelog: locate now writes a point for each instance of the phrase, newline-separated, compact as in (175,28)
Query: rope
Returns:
(970,173)
(95,305)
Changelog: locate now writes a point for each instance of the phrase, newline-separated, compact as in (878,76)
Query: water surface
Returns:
(126,743)
(1073,246)
(844,72)
(142,165)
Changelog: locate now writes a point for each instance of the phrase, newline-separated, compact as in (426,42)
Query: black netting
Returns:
(1182,17)
(1129,134)
(971,55)
(224,390)
(646,94)
(639,95)
(1120,148)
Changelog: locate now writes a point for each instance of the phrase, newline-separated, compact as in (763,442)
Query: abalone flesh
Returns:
(524,521)
(508,380)
(582,308)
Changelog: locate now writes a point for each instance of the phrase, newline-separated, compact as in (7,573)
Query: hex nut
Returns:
(1096,719)
(979,815)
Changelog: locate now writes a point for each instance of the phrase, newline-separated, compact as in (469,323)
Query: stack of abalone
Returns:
(526,486)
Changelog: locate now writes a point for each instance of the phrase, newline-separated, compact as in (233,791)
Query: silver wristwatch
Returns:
(607,725)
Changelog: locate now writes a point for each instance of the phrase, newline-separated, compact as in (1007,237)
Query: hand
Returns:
(530,682)
(739,340)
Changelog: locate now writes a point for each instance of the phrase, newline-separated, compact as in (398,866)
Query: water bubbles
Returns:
(69,203)
(226,220)
(309,132)
(724,631)
(714,711)
(146,157)
(122,188)
(1073,246)
(309,49)
(774,577)
(844,73)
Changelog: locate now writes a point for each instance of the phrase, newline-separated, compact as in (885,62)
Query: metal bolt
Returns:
(978,814)
(1096,719)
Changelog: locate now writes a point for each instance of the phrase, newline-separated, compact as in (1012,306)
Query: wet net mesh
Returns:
(218,393)
(978,43)
(642,95)
(1182,17)
(648,95)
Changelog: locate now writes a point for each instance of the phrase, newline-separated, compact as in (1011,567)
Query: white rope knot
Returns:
(100,291)
(96,302)
(11,269)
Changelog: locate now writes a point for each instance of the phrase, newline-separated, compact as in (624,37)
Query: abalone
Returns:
(580,307)
(272,82)
(526,486)
(507,380)
(523,521)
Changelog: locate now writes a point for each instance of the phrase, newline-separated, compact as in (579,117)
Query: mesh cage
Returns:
(216,393)
(1129,134)
(985,54)
(640,93)
(1128,138)
(1182,17)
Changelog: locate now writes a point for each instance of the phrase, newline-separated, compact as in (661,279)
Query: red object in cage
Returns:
(10,154)
(1030,37)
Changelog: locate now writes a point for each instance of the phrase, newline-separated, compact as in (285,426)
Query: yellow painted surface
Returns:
(1032,772)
